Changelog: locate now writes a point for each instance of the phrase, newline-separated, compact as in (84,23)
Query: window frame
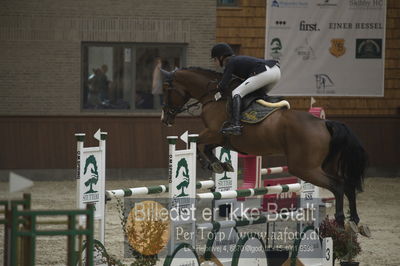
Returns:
(236,3)
(134,46)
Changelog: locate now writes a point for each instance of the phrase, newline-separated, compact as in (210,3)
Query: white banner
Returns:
(327,47)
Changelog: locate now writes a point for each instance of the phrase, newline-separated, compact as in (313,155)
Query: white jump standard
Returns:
(182,198)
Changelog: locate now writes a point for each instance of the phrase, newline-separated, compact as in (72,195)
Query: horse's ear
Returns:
(165,74)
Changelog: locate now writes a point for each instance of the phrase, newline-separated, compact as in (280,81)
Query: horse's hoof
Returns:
(363,229)
(228,167)
(351,226)
(217,168)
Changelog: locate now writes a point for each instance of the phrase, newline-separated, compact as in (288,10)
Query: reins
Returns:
(175,111)
(209,91)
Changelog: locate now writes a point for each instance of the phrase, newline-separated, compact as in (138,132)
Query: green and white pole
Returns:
(139,191)
(250,192)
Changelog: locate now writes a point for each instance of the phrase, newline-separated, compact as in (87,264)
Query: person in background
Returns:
(157,83)
(257,73)
(104,83)
(93,89)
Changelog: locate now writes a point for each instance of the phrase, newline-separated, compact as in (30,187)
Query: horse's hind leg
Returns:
(319,178)
(350,192)
(337,188)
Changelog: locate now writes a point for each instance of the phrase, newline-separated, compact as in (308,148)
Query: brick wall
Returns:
(40,44)
(245,25)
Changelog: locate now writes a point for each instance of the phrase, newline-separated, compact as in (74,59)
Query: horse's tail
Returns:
(352,159)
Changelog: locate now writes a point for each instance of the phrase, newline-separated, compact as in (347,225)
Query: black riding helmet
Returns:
(221,49)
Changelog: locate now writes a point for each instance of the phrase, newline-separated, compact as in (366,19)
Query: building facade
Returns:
(49,51)
(77,66)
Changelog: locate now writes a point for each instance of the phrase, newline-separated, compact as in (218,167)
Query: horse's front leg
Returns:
(210,140)
(207,141)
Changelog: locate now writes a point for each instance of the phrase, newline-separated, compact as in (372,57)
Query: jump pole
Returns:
(214,226)
(185,248)
(94,158)
(138,191)
(250,192)
(218,195)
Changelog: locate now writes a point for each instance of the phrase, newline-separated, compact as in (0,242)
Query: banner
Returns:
(327,47)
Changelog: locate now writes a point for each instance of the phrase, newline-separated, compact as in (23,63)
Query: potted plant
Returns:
(345,242)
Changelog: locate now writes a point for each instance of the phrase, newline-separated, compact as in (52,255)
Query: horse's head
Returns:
(183,84)
(175,97)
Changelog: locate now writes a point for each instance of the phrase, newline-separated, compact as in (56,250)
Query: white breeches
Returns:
(264,79)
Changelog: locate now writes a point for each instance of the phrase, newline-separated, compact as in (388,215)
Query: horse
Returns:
(324,153)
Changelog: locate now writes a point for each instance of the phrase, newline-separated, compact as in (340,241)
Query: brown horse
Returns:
(322,152)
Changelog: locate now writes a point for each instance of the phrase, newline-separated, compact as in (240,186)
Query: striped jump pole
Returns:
(250,192)
(137,191)
(274,170)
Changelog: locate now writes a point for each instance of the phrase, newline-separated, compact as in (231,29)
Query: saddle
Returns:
(257,106)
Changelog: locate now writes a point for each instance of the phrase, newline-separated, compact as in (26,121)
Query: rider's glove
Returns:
(218,94)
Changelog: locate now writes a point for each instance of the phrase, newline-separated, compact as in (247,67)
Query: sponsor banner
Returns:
(327,47)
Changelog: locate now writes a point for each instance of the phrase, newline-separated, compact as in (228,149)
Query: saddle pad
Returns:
(256,113)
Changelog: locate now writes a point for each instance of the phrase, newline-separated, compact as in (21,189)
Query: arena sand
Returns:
(378,206)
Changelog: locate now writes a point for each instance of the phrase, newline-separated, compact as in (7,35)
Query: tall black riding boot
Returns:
(235,128)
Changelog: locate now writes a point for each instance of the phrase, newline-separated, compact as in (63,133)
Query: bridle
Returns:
(173,111)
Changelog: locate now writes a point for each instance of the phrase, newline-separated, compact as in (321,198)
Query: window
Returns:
(222,3)
(125,76)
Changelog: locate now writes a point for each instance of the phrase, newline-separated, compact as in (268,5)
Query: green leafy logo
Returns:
(182,164)
(91,161)
(227,159)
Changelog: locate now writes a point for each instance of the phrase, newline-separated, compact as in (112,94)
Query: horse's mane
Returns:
(203,71)
(212,74)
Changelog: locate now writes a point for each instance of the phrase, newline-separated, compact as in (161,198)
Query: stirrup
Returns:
(235,130)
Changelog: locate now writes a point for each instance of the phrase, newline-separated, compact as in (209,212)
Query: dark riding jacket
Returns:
(244,67)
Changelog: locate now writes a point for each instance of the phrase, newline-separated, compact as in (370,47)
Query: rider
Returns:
(256,73)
